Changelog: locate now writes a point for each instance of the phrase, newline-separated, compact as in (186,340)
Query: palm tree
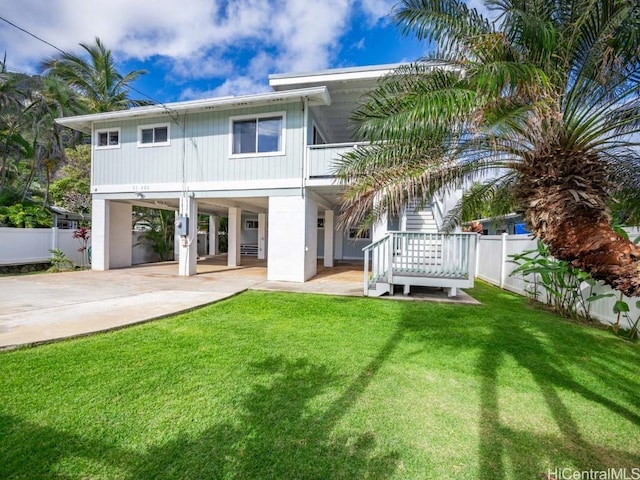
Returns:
(545,101)
(97,80)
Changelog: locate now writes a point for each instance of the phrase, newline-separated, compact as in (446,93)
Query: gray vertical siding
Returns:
(199,151)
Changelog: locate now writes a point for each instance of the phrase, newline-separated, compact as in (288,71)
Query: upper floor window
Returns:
(153,135)
(258,134)
(108,138)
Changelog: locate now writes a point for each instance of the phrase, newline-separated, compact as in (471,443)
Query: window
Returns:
(364,235)
(108,138)
(257,135)
(153,135)
(251,224)
(320,223)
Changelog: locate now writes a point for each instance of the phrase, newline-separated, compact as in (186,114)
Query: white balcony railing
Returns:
(322,158)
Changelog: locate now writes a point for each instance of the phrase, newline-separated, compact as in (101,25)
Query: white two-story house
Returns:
(265,161)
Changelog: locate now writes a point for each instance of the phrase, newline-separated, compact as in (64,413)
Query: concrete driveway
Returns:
(43,307)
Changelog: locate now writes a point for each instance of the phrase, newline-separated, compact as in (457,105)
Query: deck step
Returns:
(378,289)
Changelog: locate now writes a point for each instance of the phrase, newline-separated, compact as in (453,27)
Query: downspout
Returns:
(305,148)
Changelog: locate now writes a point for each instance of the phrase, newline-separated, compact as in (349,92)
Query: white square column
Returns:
(234,231)
(213,235)
(262,236)
(99,234)
(120,237)
(176,240)
(329,226)
(379,229)
(292,239)
(188,249)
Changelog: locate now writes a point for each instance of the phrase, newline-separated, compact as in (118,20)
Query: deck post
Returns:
(390,247)
(503,260)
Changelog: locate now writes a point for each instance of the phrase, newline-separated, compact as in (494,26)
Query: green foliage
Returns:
(82,234)
(25,215)
(71,186)
(622,310)
(159,233)
(561,284)
(59,261)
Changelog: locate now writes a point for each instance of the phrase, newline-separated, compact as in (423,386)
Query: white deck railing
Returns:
(445,258)
(322,158)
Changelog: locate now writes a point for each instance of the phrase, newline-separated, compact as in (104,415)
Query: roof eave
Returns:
(84,123)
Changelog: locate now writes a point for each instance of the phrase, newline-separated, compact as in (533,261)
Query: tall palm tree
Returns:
(545,101)
(96,80)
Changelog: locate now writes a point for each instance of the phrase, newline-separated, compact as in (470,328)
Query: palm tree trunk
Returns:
(564,197)
(597,249)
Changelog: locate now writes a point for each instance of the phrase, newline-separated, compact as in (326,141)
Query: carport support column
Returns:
(176,240)
(234,225)
(99,234)
(262,236)
(213,235)
(329,226)
(188,249)
(293,236)
(120,238)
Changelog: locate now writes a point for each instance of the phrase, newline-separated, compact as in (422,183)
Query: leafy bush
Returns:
(59,261)
(24,215)
(561,283)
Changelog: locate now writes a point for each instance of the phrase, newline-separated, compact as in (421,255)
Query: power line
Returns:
(65,53)
(33,35)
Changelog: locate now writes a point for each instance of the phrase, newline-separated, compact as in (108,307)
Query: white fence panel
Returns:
(25,245)
(514,245)
(70,246)
(142,252)
(31,245)
(495,266)
(489,264)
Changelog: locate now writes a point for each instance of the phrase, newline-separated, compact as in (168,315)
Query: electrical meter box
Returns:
(182,226)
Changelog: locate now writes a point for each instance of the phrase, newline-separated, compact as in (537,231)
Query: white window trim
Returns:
(257,116)
(97,132)
(246,224)
(154,144)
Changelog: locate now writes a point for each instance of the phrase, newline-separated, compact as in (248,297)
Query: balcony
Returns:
(322,158)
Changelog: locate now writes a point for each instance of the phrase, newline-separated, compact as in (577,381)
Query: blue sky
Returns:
(203,48)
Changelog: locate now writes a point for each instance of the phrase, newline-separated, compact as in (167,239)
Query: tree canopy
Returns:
(541,106)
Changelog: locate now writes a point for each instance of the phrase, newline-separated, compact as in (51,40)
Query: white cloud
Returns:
(377,9)
(301,36)
(232,86)
(238,41)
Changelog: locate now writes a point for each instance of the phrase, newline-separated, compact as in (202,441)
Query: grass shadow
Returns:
(563,362)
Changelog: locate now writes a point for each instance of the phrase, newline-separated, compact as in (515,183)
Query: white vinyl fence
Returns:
(32,245)
(494,265)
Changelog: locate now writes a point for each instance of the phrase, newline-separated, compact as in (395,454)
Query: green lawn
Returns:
(291,386)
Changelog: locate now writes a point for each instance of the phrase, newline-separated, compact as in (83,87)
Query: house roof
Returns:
(280,81)
(318,95)
(347,88)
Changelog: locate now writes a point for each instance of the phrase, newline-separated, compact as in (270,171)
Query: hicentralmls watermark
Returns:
(607,474)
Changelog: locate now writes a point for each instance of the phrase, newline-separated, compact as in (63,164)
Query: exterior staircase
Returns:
(419,259)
